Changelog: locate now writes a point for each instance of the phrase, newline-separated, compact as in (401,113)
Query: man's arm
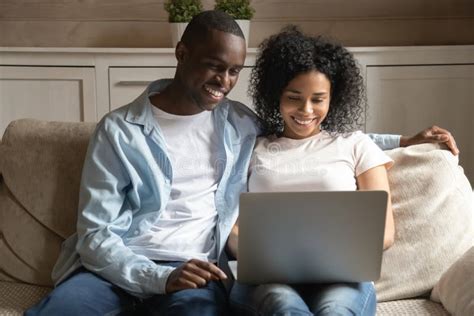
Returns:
(104,218)
(433,134)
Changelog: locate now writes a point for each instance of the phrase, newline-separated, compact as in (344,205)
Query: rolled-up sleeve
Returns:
(386,141)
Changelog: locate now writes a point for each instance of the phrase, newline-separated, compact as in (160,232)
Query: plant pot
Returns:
(177,30)
(245,27)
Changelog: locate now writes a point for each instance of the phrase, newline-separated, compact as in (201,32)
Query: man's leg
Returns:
(268,299)
(208,300)
(84,293)
(341,298)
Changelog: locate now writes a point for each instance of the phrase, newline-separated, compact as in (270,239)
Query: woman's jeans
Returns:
(85,293)
(318,299)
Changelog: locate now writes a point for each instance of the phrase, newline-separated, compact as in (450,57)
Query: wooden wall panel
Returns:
(143,23)
(148,10)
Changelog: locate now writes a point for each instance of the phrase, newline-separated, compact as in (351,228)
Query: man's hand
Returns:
(433,134)
(192,275)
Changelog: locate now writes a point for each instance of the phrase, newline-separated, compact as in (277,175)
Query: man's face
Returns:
(209,70)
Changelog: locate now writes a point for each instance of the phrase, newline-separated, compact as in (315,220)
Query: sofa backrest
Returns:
(40,167)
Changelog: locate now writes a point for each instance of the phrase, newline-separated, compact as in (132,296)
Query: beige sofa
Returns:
(40,167)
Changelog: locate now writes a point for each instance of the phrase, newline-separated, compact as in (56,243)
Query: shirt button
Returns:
(136,232)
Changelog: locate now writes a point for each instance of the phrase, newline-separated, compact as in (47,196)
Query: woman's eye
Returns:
(318,100)
(293,98)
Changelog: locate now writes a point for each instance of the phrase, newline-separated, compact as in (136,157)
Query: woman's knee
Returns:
(279,299)
(347,299)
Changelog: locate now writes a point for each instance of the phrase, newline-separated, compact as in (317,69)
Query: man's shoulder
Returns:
(116,123)
(240,108)
(242,115)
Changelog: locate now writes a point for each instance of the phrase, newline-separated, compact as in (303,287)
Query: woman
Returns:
(309,93)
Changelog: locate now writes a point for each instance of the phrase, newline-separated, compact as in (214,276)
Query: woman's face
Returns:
(304,104)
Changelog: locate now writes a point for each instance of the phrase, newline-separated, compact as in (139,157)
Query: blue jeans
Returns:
(85,293)
(317,299)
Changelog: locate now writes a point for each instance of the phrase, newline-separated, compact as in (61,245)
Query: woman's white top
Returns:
(323,162)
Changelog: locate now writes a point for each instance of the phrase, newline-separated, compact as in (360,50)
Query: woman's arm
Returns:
(232,241)
(376,179)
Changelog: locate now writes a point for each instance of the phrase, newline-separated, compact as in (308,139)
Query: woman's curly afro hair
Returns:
(289,53)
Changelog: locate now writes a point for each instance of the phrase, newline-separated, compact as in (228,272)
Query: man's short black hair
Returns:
(204,22)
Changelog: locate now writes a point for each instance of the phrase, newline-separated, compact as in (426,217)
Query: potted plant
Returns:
(240,10)
(180,12)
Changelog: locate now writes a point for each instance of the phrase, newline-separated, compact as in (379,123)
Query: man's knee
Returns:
(83,294)
(61,301)
(202,301)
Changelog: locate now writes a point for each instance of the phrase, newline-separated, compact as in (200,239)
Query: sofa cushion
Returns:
(418,307)
(41,164)
(433,212)
(456,287)
(15,298)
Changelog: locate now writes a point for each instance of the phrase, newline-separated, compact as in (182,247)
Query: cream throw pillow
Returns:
(433,211)
(455,290)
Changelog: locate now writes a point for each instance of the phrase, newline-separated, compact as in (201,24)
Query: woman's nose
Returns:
(307,106)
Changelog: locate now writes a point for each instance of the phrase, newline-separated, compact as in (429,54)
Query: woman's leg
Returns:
(85,293)
(268,299)
(341,298)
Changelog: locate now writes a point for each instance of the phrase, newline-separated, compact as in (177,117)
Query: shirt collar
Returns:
(140,110)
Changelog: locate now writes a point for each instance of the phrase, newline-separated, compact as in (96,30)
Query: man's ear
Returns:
(181,52)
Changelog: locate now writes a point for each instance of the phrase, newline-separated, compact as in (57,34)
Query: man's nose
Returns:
(224,78)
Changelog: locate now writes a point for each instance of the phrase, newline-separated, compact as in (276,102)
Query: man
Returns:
(160,188)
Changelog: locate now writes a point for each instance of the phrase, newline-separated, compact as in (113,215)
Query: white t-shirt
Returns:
(186,228)
(323,162)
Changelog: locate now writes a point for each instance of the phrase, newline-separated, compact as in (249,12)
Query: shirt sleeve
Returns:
(103,219)
(368,155)
(386,141)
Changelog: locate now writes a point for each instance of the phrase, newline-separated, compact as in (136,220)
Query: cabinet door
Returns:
(47,93)
(127,83)
(406,99)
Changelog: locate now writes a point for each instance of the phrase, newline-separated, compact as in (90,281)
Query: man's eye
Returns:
(235,71)
(212,66)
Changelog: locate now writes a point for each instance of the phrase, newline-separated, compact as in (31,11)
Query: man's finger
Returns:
(183,284)
(452,146)
(203,273)
(449,141)
(193,277)
(211,268)
(438,130)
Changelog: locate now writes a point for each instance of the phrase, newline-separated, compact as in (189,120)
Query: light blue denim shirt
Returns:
(386,141)
(126,183)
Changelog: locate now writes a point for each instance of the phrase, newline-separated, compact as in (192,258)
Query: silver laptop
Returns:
(311,237)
